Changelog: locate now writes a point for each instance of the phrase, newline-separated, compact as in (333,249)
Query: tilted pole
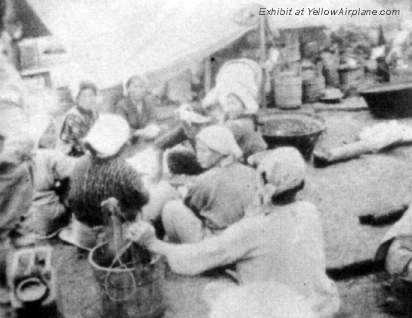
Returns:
(262,38)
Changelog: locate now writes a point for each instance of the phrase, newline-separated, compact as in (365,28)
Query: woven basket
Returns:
(350,78)
(313,88)
(330,63)
(287,91)
(129,292)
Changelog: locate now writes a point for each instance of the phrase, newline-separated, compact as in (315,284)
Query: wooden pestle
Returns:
(111,207)
(118,247)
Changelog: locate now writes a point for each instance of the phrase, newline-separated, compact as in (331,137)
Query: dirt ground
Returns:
(342,192)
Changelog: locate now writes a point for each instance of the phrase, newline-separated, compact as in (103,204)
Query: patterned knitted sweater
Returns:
(96,180)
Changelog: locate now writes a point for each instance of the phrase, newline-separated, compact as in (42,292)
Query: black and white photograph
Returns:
(205,159)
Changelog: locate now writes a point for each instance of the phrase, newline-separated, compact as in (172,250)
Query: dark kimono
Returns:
(76,125)
(129,110)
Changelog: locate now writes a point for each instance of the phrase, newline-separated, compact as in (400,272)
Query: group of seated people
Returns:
(239,212)
(238,208)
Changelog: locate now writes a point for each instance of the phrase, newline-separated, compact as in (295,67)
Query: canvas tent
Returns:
(110,40)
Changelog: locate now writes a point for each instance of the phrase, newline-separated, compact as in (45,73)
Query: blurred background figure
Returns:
(79,120)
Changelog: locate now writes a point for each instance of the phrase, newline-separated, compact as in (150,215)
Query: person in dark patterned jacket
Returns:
(102,173)
(79,120)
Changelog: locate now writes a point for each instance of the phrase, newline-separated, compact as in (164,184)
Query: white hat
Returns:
(284,168)
(220,139)
(108,135)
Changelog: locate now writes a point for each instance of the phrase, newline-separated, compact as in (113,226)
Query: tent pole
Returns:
(262,35)
(208,75)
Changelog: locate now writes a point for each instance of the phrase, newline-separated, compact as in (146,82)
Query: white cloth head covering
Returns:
(220,139)
(284,168)
(242,77)
(219,93)
(108,135)
(242,92)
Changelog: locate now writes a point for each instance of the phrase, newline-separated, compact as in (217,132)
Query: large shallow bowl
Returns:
(389,100)
(299,130)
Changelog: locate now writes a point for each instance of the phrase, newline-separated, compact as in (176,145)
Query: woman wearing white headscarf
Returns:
(280,242)
(218,197)
(237,108)
(99,175)
(236,94)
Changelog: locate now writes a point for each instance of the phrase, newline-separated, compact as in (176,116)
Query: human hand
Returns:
(141,232)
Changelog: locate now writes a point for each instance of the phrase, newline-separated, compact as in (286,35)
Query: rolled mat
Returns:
(355,269)
(383,219)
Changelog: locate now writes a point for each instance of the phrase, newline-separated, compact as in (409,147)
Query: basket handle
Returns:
(318,69)
(106,289)
(111,208)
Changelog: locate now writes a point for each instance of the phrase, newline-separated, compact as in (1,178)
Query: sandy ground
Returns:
(342,192)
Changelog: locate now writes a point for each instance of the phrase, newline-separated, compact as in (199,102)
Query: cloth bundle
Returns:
(385,134)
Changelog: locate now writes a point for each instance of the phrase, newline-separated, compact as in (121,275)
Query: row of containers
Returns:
(292,88)
(299,80)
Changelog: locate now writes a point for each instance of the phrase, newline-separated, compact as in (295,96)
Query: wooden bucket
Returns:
(130,292)
(350,78)
(313,85)
(330,63)
(288,91)
(312,89)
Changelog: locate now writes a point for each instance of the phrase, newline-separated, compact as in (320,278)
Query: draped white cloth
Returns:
(112,40)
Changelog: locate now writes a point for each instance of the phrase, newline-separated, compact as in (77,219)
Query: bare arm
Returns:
(191,259)
(171,138)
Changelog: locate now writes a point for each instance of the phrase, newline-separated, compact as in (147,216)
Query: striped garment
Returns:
(95,180)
